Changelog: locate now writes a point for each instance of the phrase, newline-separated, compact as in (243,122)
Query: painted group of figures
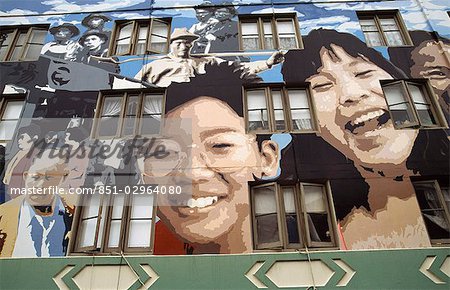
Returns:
(93,42)
(216,157)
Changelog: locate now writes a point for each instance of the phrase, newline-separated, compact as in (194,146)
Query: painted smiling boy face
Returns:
(212,156)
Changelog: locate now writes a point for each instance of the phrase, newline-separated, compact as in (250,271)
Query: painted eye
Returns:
(321,87)
(222,145)
(364,74)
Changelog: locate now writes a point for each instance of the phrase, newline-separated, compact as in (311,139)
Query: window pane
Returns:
(433,211)
(125,31)
(286,34)
(394,38)
(7,37)
(112,106)
(160,29)
(108,126)
(38,36)
(16,54)
(267,228)
(257,110)
(287,42)
(250,35)
(142,32)
(285,27)
(398,105)
(92,207)
(32,51)
(368,25)
(249,28)
(265,200)
(314,200)
(114,233)
(158,43)
(373,39)
(268,35)
(289,199)
(130,117)
(7,129)
(142,206)
(87,232)
(301,119)
(422,105)
(141,45)
(151,119)
(292,229)
(140,233)
(124,39)
(278,110)
(388,24)
(21,38)
(118,206)
(319,230)
(13,110)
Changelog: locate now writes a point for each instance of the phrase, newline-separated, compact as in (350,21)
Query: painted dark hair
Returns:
(302,64)
(223,82)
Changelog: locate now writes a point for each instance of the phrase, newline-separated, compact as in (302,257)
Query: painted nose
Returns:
(195,167)
(352,92)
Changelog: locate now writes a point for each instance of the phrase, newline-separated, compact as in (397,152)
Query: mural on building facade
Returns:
(210,153)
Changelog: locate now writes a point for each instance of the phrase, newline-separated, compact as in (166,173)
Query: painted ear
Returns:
(270,158)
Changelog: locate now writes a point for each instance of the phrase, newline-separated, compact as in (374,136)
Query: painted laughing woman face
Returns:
(212,158)
(351,109)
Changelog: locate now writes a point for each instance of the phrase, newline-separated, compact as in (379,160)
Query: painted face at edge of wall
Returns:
(429,62)
(352,110)
(219,158)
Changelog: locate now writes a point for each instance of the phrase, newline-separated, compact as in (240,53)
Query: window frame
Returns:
(16,31)
(437,188)
(5,99)
(134,35)
(429,96)
(125,94)
(376,16)
(273,18)
(287,109)
(303,228)
(102,248)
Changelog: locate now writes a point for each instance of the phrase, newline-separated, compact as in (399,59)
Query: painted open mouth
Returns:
(193,203)
(367,122)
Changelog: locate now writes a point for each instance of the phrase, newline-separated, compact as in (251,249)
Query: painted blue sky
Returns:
(339,16)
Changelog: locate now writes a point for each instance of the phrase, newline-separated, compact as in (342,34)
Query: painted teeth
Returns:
(202,201)
(368,116)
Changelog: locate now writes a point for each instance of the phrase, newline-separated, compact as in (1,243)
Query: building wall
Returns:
(368,168)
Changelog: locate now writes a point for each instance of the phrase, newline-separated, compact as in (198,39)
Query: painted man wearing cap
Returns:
(178,65)
(63,46)
(95,44)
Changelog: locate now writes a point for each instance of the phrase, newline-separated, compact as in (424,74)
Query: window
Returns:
(269,32)
(141,36)
(292,216)
(21,43)
(273,109)
(115,223)
(434,202)
(127,114)
(10,111)
(383,29)
(410,104)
